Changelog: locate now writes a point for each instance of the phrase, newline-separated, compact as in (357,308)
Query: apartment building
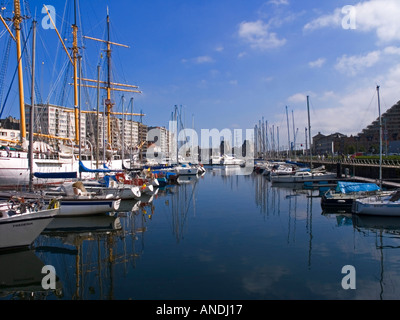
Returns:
(56,121)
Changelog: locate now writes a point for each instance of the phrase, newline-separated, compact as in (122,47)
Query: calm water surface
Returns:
(223,236)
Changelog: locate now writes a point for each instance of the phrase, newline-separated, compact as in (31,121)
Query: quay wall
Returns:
(371,171)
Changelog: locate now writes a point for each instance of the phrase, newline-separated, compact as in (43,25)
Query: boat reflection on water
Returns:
(85,247)
(387,234)
(384,224)
(129,206)
(342,218)
(83,224)
(89,249)
(187,179)
(21,276)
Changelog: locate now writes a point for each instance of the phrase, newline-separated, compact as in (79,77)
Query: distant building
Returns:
(9,123)
(9,130)
(368,140)
(331,144)
(369,137)
(55,121)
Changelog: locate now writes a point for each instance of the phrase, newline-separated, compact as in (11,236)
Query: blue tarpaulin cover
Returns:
(348,187)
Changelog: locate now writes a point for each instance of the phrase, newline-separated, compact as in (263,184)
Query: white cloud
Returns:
(279,2)
(334,19)
(380,16)
(198,60)
(317,63)
(267,79)
(352,65)
(350,110)
(297,98)
(257,34)
(203,59)
(392,50)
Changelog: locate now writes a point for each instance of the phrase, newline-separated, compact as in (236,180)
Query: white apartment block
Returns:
(126,131)
(59,121)
(56,121)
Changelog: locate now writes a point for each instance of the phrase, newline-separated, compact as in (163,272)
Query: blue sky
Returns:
(229,63)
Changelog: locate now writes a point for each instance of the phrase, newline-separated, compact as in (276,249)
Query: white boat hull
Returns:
(14,171)
(87,207)
(377,208)
(184,171)
(125,193)
(21,230)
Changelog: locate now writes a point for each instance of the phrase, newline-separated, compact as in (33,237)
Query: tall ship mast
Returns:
(108,85)
(17,165)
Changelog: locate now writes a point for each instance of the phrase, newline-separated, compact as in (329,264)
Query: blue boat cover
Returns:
(348,187)
(56,175)
(302,165)
(83,168)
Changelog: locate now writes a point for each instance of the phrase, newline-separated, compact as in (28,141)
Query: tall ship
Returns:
(51,157)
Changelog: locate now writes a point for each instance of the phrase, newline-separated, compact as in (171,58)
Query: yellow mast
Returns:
(17,25)
(74,62)
(75,57)
(108,101)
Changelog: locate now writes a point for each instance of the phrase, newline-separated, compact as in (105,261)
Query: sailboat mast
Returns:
(32,110)
(109,104)
(309,130)
(288,131)
(17,25)
(123,130)
(75,64)
(294,137)
(380,138)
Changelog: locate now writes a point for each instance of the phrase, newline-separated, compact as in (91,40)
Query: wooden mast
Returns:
(32,109)
(75,59)
(17,25)
(108,85)
(74,63)
(109,104)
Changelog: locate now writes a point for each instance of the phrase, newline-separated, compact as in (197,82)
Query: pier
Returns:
(362,170)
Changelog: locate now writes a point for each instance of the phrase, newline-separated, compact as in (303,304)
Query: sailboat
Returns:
(21,223)
(21,276)
(17,167)
(302,176)
(381,205)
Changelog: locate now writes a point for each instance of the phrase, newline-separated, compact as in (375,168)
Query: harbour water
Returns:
(222,236)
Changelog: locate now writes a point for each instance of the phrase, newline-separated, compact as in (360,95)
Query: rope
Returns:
(15,73)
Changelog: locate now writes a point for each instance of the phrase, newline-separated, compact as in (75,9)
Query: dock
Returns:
(389,184)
